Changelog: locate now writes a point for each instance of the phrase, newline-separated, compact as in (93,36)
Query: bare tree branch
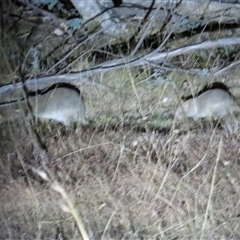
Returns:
(82,78)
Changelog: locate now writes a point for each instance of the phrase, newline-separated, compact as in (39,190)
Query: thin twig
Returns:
(227,68)
(71,209)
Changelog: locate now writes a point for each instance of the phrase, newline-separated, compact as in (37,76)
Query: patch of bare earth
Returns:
(124,184)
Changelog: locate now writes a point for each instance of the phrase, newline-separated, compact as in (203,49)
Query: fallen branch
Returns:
(82,78)
(78,79)
(226,69)
(159,57)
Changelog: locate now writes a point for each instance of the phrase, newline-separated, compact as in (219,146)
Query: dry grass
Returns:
(123,183)
(123,176)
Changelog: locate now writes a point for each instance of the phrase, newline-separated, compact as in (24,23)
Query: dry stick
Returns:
(41,83)
(149,11)
(38,144)
(97,15)
(159,57)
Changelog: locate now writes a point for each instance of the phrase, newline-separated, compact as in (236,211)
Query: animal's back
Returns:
(218,95)
(61,104)
(212,103)
(220,102)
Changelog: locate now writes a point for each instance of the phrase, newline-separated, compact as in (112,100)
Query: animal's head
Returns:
(182,110)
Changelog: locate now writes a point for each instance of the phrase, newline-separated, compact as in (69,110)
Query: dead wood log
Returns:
(82,78)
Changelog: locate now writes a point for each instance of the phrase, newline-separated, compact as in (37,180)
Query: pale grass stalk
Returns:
(135,90)
(144,34)
(108,223)
(72,210)
(209,204)
(118,163)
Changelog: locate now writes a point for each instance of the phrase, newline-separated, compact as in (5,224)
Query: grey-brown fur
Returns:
(214,103)
(61,104)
